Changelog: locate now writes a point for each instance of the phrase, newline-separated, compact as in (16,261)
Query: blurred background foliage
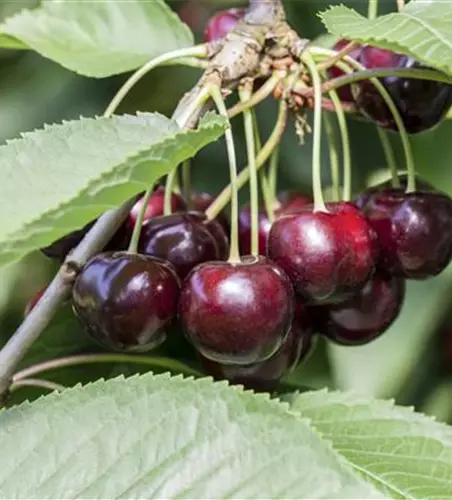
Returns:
(412,362)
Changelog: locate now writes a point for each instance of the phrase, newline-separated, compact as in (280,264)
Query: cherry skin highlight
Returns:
(237,313)
(327,255)
(367,315)
(125,300)
(185,239)
(222,23)
(414,231)
(422,104)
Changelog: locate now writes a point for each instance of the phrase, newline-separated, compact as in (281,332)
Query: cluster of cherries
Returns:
(339,272)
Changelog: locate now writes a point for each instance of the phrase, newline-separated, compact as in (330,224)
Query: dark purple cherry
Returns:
(222,23)
(155,206)
(422,104)
(414,231)
(185,239)
(125,300)
(327,255)
(201,201)
(345,92)
(237,313)
(367,315)
(266,375)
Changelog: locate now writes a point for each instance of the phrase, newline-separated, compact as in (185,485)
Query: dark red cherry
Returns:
(201,201)
(367,315)
(222,23)
(327,255)
(184,238)
(125,300)
(345,92)
(414,231)
(266,375)
(422,104)
(237,313)
(155,206)
(292,201)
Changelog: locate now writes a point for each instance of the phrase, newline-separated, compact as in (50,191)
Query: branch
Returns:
(239,56)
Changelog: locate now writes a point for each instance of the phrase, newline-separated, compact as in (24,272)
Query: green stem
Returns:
(319,203)
(273,171)
(167,364)
(345,140)
(234,252)
(186,182)
(169,189)
(36,383)
(334,157)
(372,9)
(389,156)
(245,94)
(133,245)
(177,56)
(223,198)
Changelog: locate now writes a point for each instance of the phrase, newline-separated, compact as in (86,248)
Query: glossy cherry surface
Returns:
(345,92)
(125,300)
(327,255)
(367,315)
(222,23)
(414,231)
(185,239)
(422,104)
(266,375)
(237,313)
(155,206)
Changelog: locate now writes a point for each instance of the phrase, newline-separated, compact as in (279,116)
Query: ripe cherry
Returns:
(345,92)
(185,239)
(367,315)
(201,201)
(222,23)
(155,206)
(327,255)
(422,104)
(125,300)
(414,231)
(237,313)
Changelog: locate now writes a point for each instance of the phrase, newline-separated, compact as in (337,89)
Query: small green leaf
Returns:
(161,437)
(405,454)
(97,39)
(421,30)
(59,178)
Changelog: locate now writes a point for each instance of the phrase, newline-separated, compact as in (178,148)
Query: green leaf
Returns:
(59,178)
(405,454)
(97,39)
(421,30)
(162,437)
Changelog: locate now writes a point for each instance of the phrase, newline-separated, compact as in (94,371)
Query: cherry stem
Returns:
(319,203)
(223,198)
(339,55)
(245,93)
(36,383)
(372,10)
(135,239)
(400,4)
(389,156)
(186,182)
(272,183)
(345,140)
(334,157)
(234,252)
(186,56)
(261,94)
(167,364)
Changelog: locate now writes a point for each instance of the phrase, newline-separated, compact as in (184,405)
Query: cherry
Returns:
(367,315)
(201,201)
(292,201)
(155,206)
(414,231)
(345,92)
(185,239)
(237,313)
(222,23)
(266,375)
(422,104)
(327,255)
(125,300)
